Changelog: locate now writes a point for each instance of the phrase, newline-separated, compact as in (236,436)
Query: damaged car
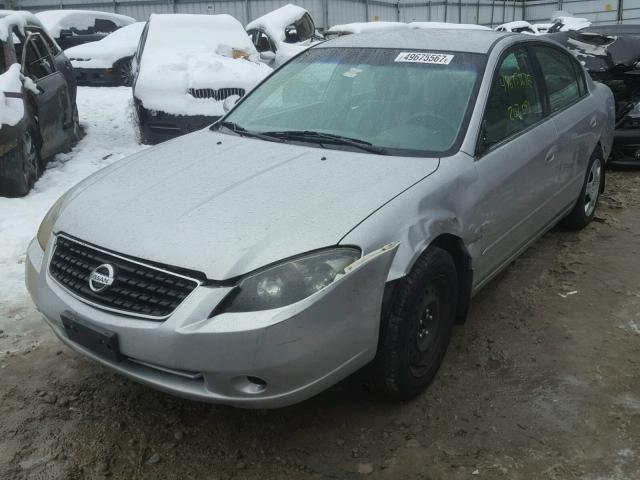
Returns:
(107,62)
(38,113)
(260,261)
(282,34)
(185,67)
(75,27)
(613,60)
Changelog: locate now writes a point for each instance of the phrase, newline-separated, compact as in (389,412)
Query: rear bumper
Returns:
(95,77)
(297,351)
(626,148)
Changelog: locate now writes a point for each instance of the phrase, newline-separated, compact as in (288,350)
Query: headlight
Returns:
(290,281)
(49,220)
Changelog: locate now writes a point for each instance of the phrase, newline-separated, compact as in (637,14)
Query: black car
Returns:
(75,27)
(610,53)
(40,115)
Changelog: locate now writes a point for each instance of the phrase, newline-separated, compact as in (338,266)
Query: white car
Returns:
(75,27)
(185,67)
(107,61)
(518,27)
(282,34)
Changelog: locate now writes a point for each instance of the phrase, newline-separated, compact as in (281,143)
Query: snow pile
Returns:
(104,53)
(275,22)
(110,136)
(10,19)
(366,27)
(11,109)
(455,26)
(518,26)
(195,51)
(56,20)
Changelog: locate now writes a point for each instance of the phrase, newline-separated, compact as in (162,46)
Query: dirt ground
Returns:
(542,382)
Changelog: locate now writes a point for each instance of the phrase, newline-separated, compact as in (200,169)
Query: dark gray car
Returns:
(40,89)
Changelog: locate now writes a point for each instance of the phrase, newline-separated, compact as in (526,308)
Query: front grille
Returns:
(138,289)
(210,93)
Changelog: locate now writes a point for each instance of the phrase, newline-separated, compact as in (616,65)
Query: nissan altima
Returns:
(341,215)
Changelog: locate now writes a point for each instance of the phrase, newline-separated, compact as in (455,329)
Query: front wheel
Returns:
(416,334)
(20,168)
(122,73)
(585,207)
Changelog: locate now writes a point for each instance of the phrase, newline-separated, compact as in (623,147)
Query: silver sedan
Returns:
(342,214)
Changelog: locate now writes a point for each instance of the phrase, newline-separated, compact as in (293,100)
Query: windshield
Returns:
(406,103)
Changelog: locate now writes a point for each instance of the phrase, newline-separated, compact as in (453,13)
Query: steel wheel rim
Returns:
(592,188)
(425,330)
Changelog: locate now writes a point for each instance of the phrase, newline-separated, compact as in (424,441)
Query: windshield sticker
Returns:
(352,72)
(424,57)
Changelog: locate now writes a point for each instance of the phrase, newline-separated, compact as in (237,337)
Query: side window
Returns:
(262,42)
(104,26)
(37,62)
(514,101)
(560,77)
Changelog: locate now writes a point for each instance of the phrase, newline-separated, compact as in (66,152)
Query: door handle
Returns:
(551,156)
(593,123)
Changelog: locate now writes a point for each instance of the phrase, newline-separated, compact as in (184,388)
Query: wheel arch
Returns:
(454,245)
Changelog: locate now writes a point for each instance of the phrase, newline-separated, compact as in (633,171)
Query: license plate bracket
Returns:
(94,338)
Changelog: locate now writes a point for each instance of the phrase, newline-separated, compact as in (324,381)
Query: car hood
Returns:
(226,205)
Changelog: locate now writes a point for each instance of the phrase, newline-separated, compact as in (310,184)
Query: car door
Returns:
(52,99)
(517,140)
(60,59)
(574,119)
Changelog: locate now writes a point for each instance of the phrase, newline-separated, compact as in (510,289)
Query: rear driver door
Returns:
(517,144)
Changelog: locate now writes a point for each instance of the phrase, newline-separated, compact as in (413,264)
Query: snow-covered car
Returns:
(542,28)
(184,69)
(107,61)
(38,113)
(368,27)
(258,262)
(447,25)
(75,27)
(363,27)
(282,34)
(567,23)
(518,27)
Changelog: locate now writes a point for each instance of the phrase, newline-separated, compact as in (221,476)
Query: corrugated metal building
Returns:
(331,12)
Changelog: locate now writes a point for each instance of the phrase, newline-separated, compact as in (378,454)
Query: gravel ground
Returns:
(542,382)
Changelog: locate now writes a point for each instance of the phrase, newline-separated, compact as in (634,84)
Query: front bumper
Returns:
(158,126)
(626,148)
(297,351)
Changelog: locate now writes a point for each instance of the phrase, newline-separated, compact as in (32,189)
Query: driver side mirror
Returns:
(267,56)
(230,102)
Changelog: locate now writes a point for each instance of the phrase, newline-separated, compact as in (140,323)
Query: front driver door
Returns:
(516,177)
(52,99)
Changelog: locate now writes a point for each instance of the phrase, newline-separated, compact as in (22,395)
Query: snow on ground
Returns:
(110,136)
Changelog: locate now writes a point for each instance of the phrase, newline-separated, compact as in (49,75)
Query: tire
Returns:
(20,168)
(122,73)
(415,335)
(585,207)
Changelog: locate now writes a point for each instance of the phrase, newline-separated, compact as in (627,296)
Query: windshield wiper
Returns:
(243,132)
(320,137)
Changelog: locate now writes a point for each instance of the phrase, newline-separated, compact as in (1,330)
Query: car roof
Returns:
(472,41)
